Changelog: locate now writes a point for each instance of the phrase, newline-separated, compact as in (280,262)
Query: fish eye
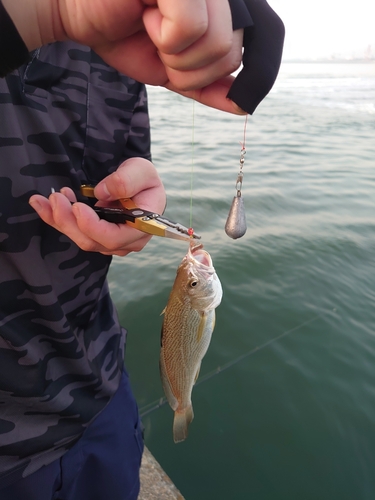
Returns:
(193,283)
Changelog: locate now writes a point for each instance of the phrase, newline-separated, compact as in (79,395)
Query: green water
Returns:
(285,404)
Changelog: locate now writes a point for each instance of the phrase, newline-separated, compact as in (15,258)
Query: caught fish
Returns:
(189,319)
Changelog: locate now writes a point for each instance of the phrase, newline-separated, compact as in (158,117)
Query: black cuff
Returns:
(241,17)
(263,47)
(13,51)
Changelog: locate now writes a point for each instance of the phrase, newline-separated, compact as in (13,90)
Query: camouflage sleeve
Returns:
(117,124)
(139,140)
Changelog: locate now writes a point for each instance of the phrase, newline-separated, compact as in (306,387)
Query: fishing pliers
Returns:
(143,220)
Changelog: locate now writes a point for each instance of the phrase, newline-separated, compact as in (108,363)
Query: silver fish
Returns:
(189,319)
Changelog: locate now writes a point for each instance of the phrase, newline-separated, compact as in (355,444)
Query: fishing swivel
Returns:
(235,226)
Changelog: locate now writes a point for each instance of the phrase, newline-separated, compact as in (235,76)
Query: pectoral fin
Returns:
(197,374)
(201,327)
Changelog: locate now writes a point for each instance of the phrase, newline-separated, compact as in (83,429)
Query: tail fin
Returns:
(181,422)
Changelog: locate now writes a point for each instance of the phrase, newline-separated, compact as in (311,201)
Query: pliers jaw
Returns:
(143,220)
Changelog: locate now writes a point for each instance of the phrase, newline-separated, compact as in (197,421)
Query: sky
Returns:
(326,28)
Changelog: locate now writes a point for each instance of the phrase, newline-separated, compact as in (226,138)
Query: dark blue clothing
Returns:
(103,464)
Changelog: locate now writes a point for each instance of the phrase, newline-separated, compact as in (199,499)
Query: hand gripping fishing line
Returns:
(235,226)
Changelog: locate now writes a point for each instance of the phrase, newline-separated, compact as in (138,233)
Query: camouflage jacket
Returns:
(66,118)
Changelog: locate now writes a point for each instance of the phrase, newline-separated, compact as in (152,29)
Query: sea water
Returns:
(285,404)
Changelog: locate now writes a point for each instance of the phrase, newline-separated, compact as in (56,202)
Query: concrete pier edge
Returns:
(155,483)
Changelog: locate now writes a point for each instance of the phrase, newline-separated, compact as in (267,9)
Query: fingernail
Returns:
(76,210)
(52,200)
(101,192)
(35,205)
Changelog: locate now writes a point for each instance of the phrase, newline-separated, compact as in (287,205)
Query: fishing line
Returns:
(163,400)
(192,165)
(243,145)
(228,365)
(150,407)
(236,226)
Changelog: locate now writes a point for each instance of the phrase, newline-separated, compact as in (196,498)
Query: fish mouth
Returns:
(200,257)
(199,264)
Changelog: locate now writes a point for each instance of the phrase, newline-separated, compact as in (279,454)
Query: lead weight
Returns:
(235,226)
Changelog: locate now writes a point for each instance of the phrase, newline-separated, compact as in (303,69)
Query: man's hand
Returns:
(187,46)
(136,178)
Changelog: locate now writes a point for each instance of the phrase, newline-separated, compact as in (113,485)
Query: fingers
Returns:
(175,25)
(102,236)
(183,46)
(213,69)
(214,95)
(214,43)
(202,69)
(135,56)
(83,226)
(196,45)
(69,193)
(136,178)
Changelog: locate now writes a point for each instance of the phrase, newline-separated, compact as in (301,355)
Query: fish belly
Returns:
(185,340)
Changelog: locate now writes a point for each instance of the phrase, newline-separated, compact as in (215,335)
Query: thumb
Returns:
(132,176)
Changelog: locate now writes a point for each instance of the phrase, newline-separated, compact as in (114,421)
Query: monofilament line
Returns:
(244,132)
(192,167)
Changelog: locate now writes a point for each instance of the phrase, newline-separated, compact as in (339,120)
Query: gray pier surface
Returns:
(155,484)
